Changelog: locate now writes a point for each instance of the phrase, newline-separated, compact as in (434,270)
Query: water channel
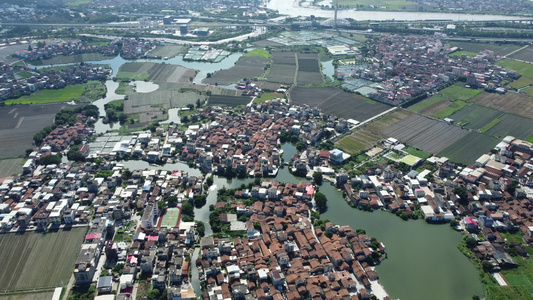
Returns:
(293,9)
(423,260)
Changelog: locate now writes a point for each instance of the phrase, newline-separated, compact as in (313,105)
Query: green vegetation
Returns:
(528,91)
(460,53)
(259,52)
(68,93)
(452,93)
(132,75)
(76,3)
(523,68)
(321,202)
(23,73)
(521,82)
(416,152)
(530,139)
(451,109)
(268,97)
(507,293)
(490,125)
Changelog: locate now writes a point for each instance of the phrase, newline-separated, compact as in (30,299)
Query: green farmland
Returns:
(36,260)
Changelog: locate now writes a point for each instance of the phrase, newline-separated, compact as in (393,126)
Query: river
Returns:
(292,9)
(423,260)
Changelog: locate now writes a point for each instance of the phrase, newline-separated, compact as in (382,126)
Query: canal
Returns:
(423,260)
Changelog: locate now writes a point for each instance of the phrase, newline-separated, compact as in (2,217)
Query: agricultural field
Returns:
(451,109)
(429,135)
(476,47)
(70,59)
(524,54)
(30,255)
(416,152)
(70,92)
(258,52)
(283,68)
(308,70)
(18,124)
(507,293)
(218,100)
(470,147)
(334,101)
(460,53)
(521,82)
(358,141)
(514,103)
(155,72)
(29,296)
(439,103)
(475,116)
(248,66)
(168,51)
(383,122)
(523,68)
(10,167)
(268,97)
(509,124)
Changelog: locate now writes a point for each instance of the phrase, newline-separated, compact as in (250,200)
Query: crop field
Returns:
(168,51)
(476,115)
(18,125)
(460,53)
(35,260)
(498,49)
(429,135)
(442,104)
(514,103)
(517,126)
(77,58)
(68,93)
(10,167)
(524,54)
(358,141)
(334,101)
(218,100)
(523,68)
(268,97)
(217,90)
(308,70)
(389,119)
(283,68)
(521,82)
(156,72)
(470,147)
(248,66)
(29,296)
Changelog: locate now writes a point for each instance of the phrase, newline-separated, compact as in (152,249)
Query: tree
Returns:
(153,294)
(126,175)
(317,177)
(161,205)
(487,265)
(172,200)
(51,159)
(328,234)
(462,193)
(198,104)
(200,200)
(470,242)
(209,180)
(75,155)
(321,202)
(200,227)
(187,209)
(190,106)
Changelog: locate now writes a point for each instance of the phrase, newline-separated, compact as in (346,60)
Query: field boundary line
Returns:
(517,50)
(295,81)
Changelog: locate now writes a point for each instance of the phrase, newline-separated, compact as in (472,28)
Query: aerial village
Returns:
(269,247)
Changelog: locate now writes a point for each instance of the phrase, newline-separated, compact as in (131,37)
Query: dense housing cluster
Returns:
(409,66)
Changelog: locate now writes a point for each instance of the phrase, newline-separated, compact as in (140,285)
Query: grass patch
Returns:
(19,63)
(453,93)
(460,53)
(523,68)
(507,293)
(132,76)
(368,100)
(268,97)
(259,52)
(451,109)
(416,152)
(68,93)
(418,107)
(521,82)
(490,125)
(528,91)
(76,3)
(23,74)
(530,139)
